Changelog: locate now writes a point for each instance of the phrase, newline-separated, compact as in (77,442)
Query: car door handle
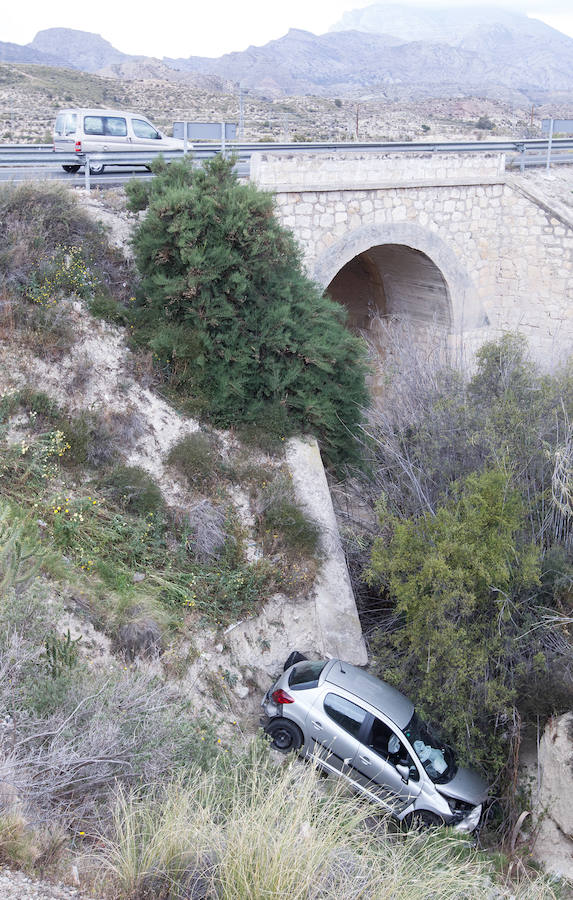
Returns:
(366,760)
(317,725)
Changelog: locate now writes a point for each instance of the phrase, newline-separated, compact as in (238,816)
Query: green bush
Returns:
(235,324)
(459,580)
(471,484)
(282,520)
(195,457)
(134,489)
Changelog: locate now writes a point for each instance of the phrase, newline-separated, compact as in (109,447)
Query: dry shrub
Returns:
(37,220)
(46,330)
(140,638)
(207,527)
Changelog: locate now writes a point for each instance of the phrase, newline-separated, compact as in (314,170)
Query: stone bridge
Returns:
(451,244)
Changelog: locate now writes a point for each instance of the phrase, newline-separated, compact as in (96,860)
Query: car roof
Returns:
(378,694)
(95,111)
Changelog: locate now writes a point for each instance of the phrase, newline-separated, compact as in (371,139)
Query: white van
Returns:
(98,130)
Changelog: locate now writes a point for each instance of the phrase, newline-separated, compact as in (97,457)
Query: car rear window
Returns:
(306,674)
(65,123)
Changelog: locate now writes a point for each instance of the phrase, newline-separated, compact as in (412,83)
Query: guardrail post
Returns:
(549,142)
(185,140)
(222,138)
(522,159)
(87,173)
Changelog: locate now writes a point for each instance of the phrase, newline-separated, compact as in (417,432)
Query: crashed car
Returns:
(367,732)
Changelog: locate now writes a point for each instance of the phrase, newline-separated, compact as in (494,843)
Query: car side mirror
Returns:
(403,772)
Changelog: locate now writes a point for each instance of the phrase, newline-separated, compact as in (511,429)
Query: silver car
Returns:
(367,732)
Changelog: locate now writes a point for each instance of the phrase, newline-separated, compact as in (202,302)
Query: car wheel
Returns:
(96,168)
(423,819)
(71,169)
(286,736)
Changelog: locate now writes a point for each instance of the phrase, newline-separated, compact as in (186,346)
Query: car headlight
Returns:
(471,821)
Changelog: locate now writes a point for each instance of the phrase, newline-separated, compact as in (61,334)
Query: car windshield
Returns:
(437,758)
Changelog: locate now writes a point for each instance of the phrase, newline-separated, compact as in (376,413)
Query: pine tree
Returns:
(227,308)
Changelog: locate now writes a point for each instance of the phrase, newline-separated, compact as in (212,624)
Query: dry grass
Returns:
(253,830)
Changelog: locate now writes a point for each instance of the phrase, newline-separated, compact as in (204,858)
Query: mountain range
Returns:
(384,49)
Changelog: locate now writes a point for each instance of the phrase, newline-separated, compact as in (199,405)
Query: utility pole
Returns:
(241,114)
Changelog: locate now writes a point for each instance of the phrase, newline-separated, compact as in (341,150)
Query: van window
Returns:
(108,125)
(143,129)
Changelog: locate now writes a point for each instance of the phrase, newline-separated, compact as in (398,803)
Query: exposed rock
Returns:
(553,810)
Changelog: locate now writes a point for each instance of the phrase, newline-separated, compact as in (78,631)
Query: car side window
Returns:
(93,125)
(345,713)
(386,743)
(143,129)
(115,126)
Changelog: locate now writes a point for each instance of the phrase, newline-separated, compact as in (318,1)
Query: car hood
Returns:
(170,143)
(466,786)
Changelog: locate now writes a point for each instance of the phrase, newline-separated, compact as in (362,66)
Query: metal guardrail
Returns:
(22,155)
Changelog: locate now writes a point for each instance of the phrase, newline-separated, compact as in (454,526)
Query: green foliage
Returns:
(195,457)
(282,521)
(61,653)
(20,552)
(134,489)
(458,579)
(232,319)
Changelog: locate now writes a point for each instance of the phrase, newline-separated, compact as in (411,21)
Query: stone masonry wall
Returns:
(507,259)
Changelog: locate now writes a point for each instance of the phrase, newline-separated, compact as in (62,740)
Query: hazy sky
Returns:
(213,27)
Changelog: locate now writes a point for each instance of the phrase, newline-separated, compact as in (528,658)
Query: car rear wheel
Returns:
(71,169)
(286,736)
(96,168)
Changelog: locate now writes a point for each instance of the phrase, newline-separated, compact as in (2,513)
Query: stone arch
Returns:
(465,311)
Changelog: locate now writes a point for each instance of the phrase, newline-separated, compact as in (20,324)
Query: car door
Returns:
(374,763)
(103,133)
(145,136)
(334,726)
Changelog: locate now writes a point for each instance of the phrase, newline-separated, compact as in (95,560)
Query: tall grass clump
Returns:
(248,828)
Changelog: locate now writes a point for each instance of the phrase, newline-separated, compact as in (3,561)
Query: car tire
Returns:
(423,819)
(286,736)
(72,169)
(96,168)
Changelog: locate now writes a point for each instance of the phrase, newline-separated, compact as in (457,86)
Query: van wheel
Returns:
(286,736)
(96,168)
(71,169)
